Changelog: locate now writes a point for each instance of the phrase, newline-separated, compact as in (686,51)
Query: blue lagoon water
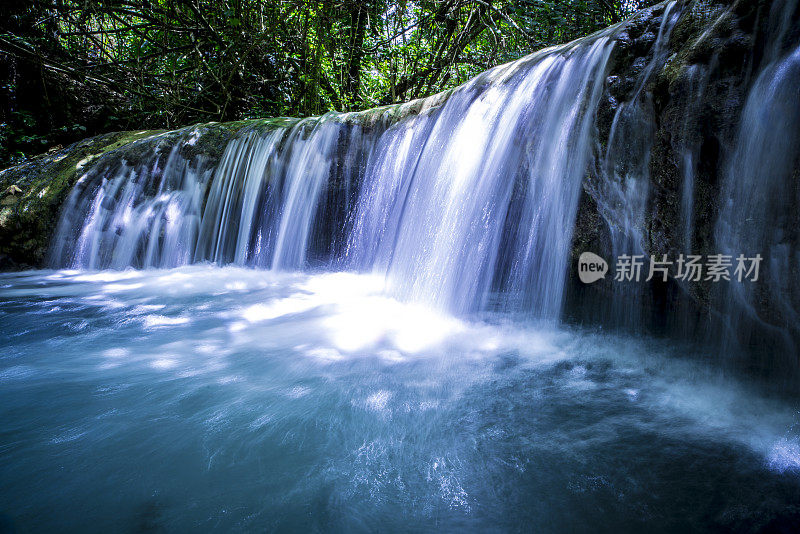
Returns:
(228,399)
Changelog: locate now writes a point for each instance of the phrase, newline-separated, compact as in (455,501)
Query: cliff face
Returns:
(687,88)
(689,135)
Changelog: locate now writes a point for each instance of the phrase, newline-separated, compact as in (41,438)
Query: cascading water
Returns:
(239,189)
(481,191)
(688,147)
(760,194)
(622,190)
(140,214)
(511,145)
(259,207)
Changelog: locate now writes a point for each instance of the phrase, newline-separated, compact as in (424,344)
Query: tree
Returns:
(79,67)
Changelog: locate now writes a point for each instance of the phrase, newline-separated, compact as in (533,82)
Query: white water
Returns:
(143,214)
(447,205)
(511,144)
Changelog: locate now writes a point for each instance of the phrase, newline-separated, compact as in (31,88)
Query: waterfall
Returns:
(273,189)
(239,189)
(486,187)
(760,194)
(264,195)
(468,204)
(622,190)
(688,146)
(143,213)
(451,205)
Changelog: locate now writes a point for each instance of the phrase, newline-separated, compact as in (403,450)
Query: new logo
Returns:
(591,268)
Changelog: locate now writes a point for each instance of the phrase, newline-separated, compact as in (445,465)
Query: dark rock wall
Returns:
(695,102)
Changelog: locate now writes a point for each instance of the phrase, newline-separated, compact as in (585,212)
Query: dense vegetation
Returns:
(76,68)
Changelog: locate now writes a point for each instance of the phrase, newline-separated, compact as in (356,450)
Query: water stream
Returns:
(207,398)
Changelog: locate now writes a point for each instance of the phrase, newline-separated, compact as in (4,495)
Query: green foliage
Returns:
(128,64)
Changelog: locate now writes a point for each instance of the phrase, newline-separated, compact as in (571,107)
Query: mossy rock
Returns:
(31,194)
